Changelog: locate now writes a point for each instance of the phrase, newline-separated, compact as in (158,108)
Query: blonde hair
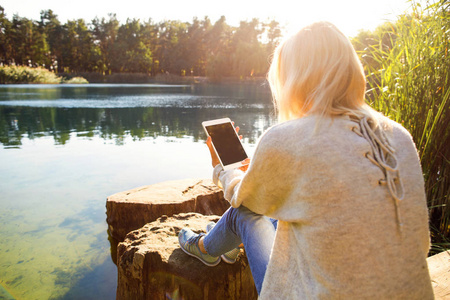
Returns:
(317,71)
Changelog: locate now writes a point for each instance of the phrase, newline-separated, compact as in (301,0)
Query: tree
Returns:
(218,60)
(5,44)
(195,48)
(169,52)
(248,55)
(132,53)
(54,34)
(105,34)
(149,37)
(78,47)
(273,35)
(28,45)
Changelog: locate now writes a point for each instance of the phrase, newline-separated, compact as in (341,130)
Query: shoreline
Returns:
(25,75)
(159,78)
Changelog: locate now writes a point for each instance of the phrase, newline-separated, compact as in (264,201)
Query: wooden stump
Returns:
(130,210)
(151,265)
(439,267)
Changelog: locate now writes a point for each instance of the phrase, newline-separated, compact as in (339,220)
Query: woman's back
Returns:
(339,233)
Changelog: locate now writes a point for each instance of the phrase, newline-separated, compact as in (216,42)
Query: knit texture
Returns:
(339,234)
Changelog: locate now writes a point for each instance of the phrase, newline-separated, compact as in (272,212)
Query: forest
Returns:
(197,48)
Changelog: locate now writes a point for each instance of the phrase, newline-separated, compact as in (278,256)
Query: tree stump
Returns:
(439,267)
(151,265)
(130,210)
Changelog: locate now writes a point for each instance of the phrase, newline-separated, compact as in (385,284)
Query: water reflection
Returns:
(140,111)
(24,92)
(33,122)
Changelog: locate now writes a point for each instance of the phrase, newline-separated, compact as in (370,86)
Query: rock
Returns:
(130,210)
(151,265)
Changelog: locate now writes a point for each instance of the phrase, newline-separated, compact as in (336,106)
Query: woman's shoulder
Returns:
(393,128)
(398,136)
(286,136)
(315,130)
(287,127)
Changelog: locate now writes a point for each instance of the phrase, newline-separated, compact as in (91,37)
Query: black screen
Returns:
(227,143)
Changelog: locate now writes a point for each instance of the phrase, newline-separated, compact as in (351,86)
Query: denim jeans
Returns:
(241,225)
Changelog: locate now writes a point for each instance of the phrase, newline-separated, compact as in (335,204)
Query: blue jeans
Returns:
(241,225)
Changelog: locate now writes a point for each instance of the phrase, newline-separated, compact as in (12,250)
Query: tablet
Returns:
(225,142)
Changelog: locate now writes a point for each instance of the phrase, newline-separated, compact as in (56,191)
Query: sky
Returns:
(349,15)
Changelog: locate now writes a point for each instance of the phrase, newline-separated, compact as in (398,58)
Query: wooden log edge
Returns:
(439,267)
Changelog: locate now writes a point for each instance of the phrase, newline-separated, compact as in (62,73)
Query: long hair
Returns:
(317,71)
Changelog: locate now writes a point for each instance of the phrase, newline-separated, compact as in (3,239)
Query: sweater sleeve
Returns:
(229,181)
(263,187)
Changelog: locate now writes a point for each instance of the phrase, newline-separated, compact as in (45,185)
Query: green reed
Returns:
(409,81)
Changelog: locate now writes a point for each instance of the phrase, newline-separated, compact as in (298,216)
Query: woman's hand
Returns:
(246,163)
(214,159)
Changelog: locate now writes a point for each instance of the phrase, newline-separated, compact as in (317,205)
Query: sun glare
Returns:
(348,15)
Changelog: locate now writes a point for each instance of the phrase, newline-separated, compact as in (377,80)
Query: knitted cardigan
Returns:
(351,226)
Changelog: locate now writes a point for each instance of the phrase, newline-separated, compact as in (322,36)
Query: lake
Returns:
(65,148)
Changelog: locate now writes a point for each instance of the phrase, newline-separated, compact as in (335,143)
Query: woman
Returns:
(344,183)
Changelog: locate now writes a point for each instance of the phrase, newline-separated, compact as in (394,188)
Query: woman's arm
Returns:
(264,185)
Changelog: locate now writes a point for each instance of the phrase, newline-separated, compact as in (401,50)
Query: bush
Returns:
(21,74)
(76,80)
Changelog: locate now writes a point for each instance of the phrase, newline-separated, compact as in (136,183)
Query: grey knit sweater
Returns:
(351,225)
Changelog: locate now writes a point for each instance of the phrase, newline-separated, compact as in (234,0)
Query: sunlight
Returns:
(349,15)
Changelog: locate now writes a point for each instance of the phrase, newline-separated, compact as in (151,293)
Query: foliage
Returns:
(76,80)
(409,78)
(196,48)
(20,74)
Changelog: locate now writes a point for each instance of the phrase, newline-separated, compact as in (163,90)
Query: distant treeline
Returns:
(197,48)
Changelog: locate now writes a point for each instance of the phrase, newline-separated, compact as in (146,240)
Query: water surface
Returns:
(65,148)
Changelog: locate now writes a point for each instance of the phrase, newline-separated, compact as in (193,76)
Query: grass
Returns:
(22,74)
(409,81)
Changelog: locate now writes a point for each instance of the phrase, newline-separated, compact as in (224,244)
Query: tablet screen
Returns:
(227,143)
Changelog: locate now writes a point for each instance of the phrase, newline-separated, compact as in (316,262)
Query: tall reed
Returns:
(409,81)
